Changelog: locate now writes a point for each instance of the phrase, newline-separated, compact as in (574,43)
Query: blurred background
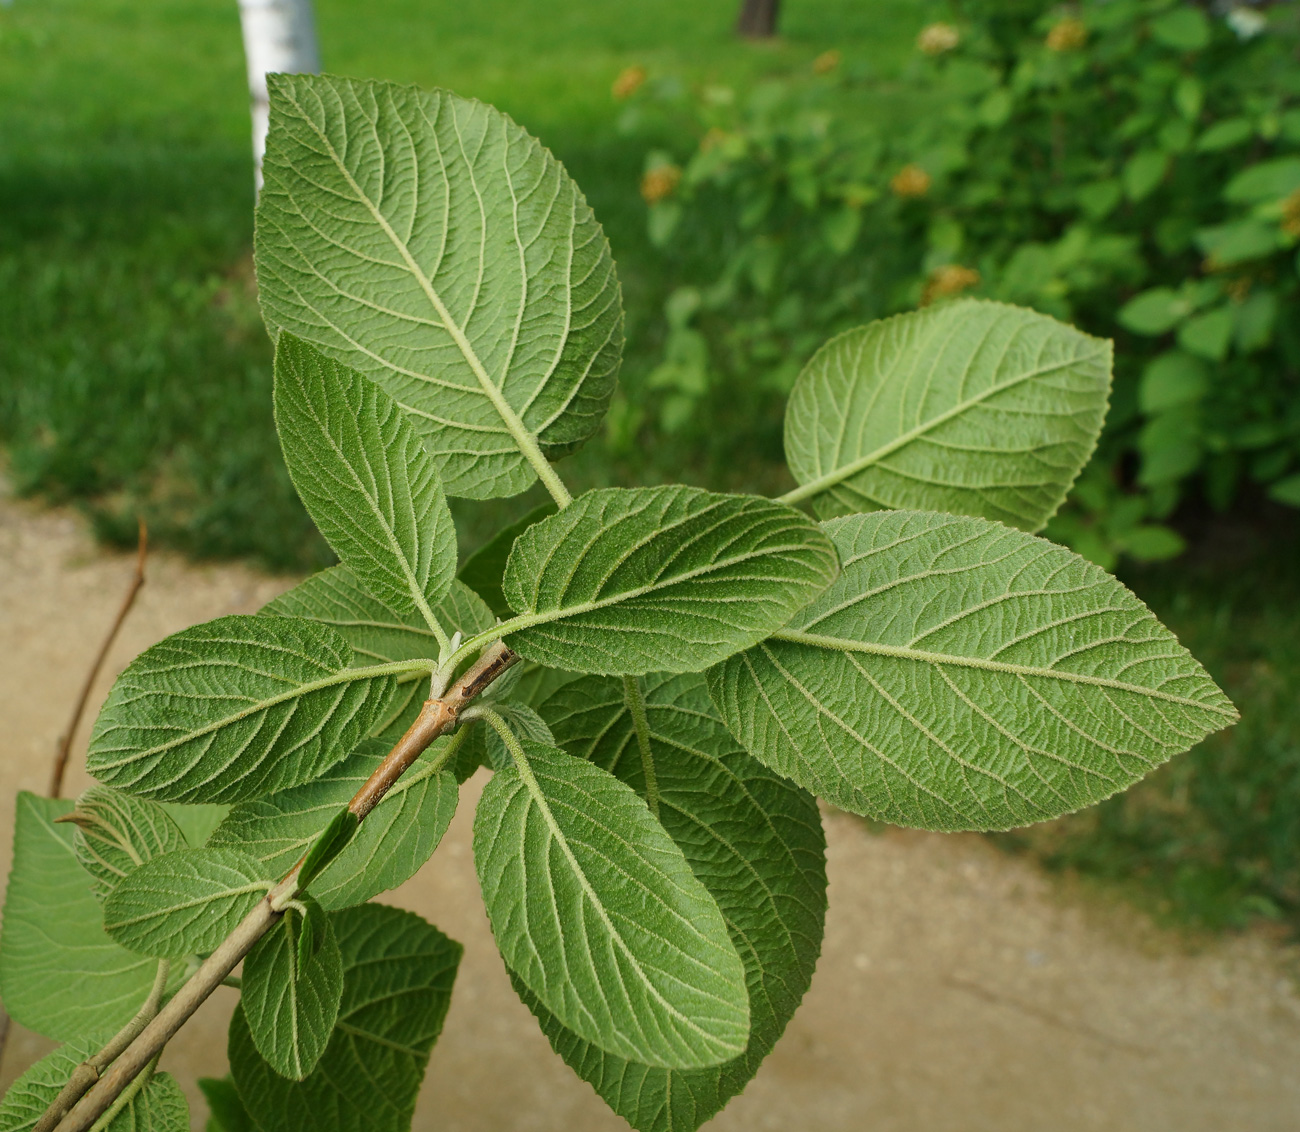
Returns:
(1132,166)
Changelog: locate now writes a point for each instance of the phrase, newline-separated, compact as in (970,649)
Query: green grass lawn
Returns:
(135,373)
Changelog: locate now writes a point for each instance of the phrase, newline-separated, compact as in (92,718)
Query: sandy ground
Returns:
(958,991)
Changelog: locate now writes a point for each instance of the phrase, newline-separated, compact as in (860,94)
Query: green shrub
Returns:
(1133,166)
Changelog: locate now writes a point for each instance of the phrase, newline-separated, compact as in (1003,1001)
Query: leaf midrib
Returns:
(899,652)
(839,475)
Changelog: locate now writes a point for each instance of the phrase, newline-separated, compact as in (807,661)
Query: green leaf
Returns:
(971,407)
(397,977)
(1173,378)
(1238,242)
(1285,490)
(960,675)
(752,838)
(1183,29)
(291,1000)
(1267,180)
(158,1107)
(1225,134)
(196,822)
(234,709)
(400,834)
(60,975)
(184,903)
(116,833)
(524,723)
(631,580)
(484,569)
(1155,311)
(380,635)
(1208,335)
(226,1111)
(338,831)
(365,478)
(596,911)
(429,242)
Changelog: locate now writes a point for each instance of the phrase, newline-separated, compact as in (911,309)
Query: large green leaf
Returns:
(184,903)
(60,975)
(596,911)
(429,242)
(234,709)
(379,634)
(970,407)
(752,838)
(158,1107)
(962,675)
(633,580)
(400,834)
(366,479)
(291,1000)
(116,833)
(397,978)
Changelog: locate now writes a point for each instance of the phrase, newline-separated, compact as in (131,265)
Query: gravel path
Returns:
(958,990)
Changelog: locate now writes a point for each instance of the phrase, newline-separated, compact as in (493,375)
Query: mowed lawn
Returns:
(135,373)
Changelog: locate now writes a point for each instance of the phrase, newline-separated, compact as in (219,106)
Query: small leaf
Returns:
(1155,311)
(116,833)
(752,838)
(971,407)
(484,569)
(1266,180)
(400,834)
(1208,335)
(1183,29)
(630,580)
(60,975)
(960,675)
(233,709)
(158,1107)
(332,841)
(365,478)
(429,242)
(1286,491)
(1143,172)
(184,903)
(397,978)
(596,911)
(289,1001)
(1173,378)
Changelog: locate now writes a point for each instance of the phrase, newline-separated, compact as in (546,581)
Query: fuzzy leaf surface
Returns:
(634,580)
(483,570)
(397,978)
(379,634)
(116,833)
(159,1107)
(429,242)
(290,1005)
(962,675)
(365,479)
(184,903)
(752,838)
(596,911)
(389,846)
(970,407)
(233,709)
(60,974)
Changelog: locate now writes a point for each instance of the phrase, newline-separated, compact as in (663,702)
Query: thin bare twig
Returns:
(65,740)
(437,717)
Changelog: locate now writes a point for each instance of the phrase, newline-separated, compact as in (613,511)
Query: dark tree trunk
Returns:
(758,18)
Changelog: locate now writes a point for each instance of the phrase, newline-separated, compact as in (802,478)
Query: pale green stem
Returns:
(127,1095)
(634,698)
(508,737)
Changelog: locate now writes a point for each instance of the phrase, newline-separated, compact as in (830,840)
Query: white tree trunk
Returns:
(279,36)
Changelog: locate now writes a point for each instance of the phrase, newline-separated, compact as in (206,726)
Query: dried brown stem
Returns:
(439,715)
(65,740)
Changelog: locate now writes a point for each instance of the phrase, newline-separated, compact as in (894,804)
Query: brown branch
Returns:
(65,740)
(438,716)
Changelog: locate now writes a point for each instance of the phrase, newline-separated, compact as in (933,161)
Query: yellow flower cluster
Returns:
(629,79)
(935,39)
(910,181)
(951,279)
(826,62)
(1068,34)
(660,182)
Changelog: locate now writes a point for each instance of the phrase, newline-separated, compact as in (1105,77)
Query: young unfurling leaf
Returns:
(116,834)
